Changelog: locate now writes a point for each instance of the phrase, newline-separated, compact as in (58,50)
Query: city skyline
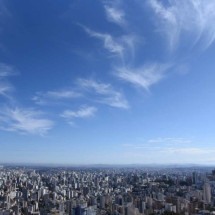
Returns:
(109,82)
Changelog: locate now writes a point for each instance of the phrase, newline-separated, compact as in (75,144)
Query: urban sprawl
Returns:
(106,190)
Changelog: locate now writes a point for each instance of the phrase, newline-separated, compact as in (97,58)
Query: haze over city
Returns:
(107,82)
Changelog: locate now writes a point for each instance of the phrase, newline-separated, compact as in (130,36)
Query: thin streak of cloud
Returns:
(170,140)
(108,94)
(192,155)
(191,150)
(179,146)
(109,42)
(193,19)
(45,98)
(6,70)
(25,121)
(6,87)
(162,143)
(122,47)
(83,112)
(145,76)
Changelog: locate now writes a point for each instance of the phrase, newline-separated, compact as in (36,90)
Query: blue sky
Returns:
(115,82)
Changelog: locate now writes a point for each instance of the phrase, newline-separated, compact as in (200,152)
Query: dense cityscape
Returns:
(106,190)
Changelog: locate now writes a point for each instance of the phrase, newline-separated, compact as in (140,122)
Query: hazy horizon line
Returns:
(106,164)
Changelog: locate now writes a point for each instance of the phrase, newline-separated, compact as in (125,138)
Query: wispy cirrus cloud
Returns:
(190,19)
(5,86)
(191,150)
(5,89)
(110,43)
(115,14)
(50,96)
(145,76)
(27,121)
(170,149)
(83,112)
(6,70)
(121,47)
(21,120)
(107,94)
(162,142)
(162,155)
(99,92)
(170,140)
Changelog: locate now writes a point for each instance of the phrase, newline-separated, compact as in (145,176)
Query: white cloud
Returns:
(116,99)
(169,152)
(115,15)
(24,121)
(6,70)
(162,143)
(192,156)
(83,112)
(104,93)
(109,95)
(62,94)
(122,47)
(65,94)
(19,119)
(110,44)
(193,19)
(190,150)
(170,140)
(5,89)
(144,76)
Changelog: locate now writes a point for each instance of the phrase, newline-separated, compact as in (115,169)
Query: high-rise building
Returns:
(207,192)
